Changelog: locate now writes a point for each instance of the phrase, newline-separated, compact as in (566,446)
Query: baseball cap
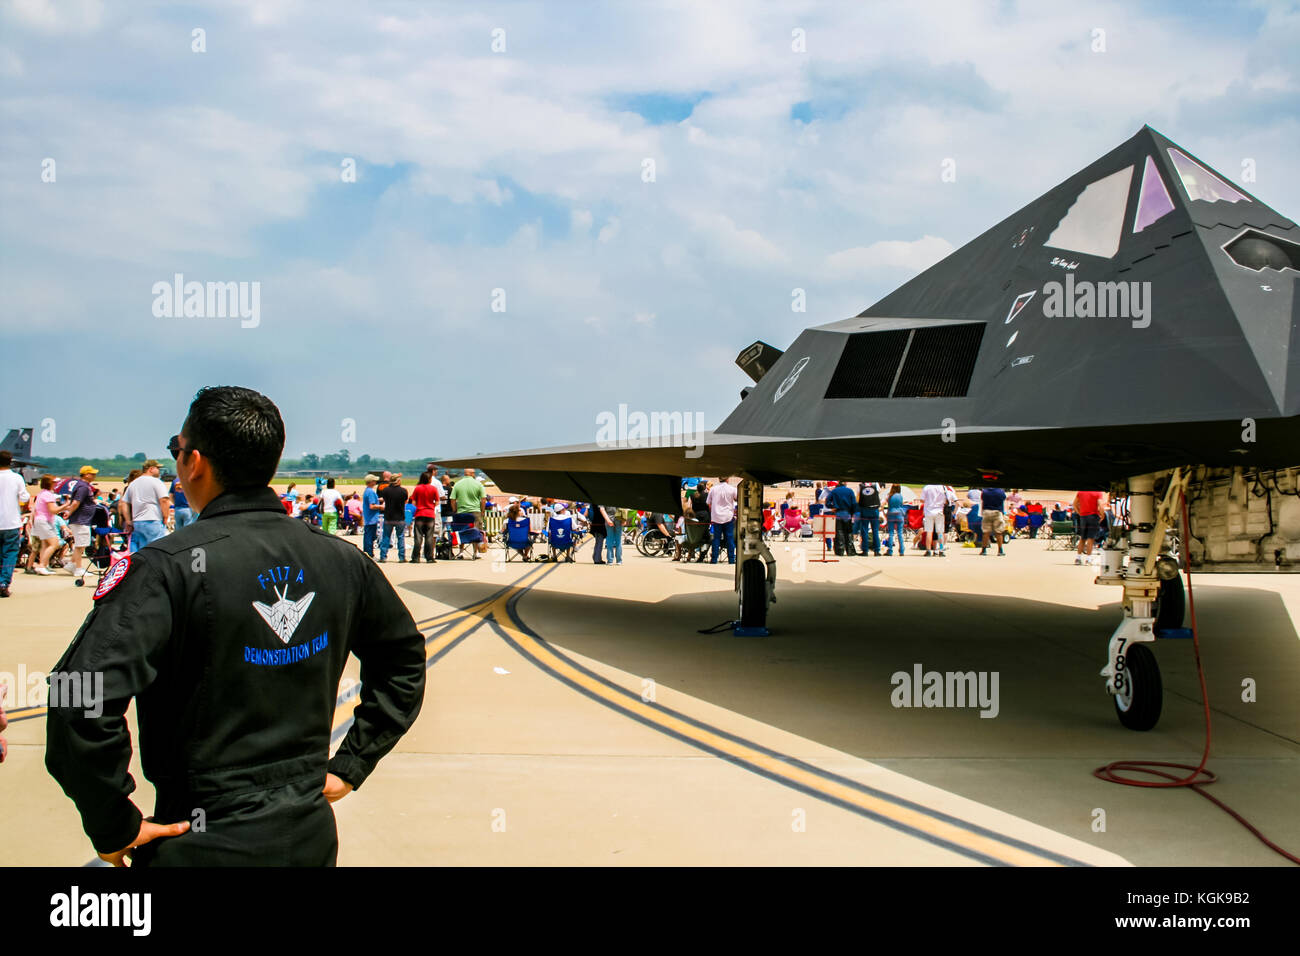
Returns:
(88,470)
(512,501)
(151,463)
(370,478)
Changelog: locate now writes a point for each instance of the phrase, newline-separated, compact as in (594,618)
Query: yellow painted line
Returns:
(474,608)
(23,713)
(343,712)
(473,616)
(769,764)
(451,615)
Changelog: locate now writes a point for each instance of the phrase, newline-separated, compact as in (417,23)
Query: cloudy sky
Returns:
(645,183)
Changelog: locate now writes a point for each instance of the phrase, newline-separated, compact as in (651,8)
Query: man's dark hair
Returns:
(330,483)
(6,458)
(239,431)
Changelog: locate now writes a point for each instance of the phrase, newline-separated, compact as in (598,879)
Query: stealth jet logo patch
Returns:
(284,616)
(790,379)
(1022,300)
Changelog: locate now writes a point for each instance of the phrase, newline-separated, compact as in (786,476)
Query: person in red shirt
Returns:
(426,498)
(1088,506)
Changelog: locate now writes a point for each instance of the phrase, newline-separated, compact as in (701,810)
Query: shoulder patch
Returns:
(114,577)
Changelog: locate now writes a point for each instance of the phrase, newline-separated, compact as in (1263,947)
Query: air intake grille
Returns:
(868,365)
(940,361)
(932,362)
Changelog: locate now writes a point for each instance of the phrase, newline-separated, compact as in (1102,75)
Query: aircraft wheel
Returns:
(1141,693)
(1170,604)
(753,594)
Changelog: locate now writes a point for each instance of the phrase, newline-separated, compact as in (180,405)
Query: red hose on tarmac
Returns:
(1199,777)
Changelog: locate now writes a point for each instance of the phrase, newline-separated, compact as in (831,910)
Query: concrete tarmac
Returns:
(574,716)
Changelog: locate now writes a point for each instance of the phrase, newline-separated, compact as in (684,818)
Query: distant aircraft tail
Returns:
(19,443)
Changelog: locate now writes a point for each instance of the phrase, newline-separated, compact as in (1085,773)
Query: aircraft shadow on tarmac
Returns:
(825,675)
(826,671)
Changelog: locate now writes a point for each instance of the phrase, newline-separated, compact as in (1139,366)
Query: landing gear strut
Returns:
(1152,601)
(755,566)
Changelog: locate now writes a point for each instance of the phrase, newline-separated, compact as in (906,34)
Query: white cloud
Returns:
(63,16)
(732,244)
(609,231)
(913,257)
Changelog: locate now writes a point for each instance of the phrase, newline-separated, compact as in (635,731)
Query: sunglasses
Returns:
(174,446)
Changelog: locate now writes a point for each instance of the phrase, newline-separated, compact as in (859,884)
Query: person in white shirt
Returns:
(933,498)
(722,513)
(148,506)
(330,500)
(13,495)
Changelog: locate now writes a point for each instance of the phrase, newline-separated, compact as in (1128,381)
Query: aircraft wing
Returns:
(1014,457)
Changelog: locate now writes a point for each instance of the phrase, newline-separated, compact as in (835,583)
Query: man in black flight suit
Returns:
(232,634)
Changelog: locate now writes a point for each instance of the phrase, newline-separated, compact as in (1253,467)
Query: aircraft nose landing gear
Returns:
(755,566)
(1153,604)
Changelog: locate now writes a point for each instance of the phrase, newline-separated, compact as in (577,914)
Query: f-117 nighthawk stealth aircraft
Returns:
(1135,329)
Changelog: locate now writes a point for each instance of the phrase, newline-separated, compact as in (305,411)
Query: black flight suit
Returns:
(232,634)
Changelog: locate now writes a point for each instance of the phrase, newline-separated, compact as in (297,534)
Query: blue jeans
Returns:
(895,528)
(184,516)
(385,541)
(865,523)
(11,540)
(613,544)
(724,532)
(142,532)
(368,533)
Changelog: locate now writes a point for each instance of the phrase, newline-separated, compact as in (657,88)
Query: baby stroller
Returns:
(101,555)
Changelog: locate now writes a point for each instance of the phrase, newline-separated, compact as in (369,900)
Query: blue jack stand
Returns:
(739,631)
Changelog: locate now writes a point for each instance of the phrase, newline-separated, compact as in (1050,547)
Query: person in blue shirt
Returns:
(895,517)
(992,505)
(845,504)
(371,511)
(181,510)
(869,517)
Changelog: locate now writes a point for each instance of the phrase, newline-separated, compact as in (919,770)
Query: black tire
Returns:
(1139,708)
(1170,604)
(753,593)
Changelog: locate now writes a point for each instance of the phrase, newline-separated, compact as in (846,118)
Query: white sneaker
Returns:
(43,570)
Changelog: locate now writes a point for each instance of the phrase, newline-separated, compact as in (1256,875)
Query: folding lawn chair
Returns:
(560,538)
(517,540)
